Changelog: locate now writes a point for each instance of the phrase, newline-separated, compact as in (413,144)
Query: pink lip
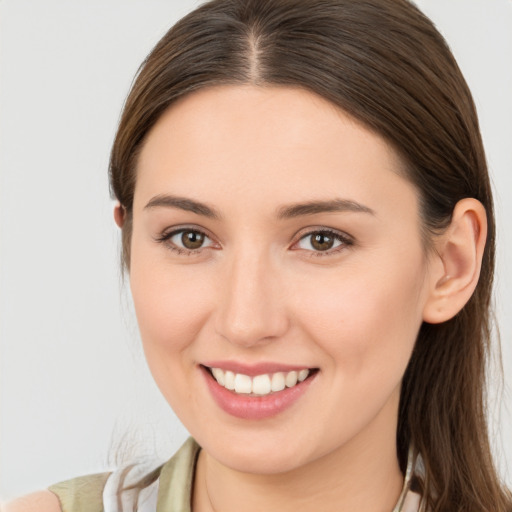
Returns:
(254,407)
(253,369)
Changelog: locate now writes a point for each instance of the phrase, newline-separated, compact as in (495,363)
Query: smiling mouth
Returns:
(259,385)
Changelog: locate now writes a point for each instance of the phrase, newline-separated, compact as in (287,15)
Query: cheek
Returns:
(366,323)
(170,307)
(366,318)
(170,304)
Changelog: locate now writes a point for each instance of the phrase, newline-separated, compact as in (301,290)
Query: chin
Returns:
(259,462)
(264,452)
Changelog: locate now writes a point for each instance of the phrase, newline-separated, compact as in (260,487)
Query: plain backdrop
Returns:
(74,387)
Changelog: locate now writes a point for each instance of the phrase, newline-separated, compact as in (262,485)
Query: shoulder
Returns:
(136,487)
(82,494)
(131,486)
(42,501)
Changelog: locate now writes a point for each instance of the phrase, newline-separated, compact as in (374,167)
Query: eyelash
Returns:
(345,240)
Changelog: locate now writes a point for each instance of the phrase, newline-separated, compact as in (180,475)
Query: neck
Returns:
(361,475)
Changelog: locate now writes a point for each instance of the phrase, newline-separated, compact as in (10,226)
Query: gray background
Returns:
(74,387)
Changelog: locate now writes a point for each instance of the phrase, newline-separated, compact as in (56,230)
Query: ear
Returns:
(458,259)
(119,214)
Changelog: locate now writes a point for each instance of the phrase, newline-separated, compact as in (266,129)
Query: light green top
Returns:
(85,494)
(171,492)
(177,479)
(81,494)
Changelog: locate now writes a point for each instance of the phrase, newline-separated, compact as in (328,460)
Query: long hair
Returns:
(384,63)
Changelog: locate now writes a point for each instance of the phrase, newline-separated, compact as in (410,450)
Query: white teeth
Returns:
(291,379)
(243,383)
(302,375)
(229,380)
(278,382)
(219,375)
(260,384)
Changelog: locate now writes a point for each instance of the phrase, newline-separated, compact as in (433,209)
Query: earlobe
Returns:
(459,252)
(119,214)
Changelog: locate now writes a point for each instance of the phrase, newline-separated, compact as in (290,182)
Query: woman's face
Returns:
(272,234)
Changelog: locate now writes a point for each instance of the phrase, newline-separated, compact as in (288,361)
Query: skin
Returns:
(258,291)
(40,501)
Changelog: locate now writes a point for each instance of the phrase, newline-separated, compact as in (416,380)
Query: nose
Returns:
(251,310)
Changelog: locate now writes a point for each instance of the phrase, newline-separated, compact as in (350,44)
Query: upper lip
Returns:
(254,369)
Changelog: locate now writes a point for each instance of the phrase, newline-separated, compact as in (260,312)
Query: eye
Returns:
(185,241)
(324,242)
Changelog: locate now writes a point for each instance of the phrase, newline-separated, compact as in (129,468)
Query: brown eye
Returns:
(322,241)
(318,242)
(192,239)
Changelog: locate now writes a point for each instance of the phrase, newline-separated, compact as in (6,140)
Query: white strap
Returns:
(127,501)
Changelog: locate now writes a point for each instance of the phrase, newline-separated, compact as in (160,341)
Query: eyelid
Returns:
(166,235)
(345,239)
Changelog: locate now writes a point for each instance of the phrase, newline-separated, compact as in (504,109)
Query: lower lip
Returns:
(254,407)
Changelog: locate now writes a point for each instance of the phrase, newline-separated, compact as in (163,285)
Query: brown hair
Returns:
(384,63)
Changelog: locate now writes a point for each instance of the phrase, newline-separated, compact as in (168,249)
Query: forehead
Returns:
(265,144)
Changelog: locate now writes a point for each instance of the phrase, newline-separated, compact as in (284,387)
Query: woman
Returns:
(308,227)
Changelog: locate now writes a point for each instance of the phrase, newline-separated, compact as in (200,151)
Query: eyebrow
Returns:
(314,207)
(282,213)
(183,203)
